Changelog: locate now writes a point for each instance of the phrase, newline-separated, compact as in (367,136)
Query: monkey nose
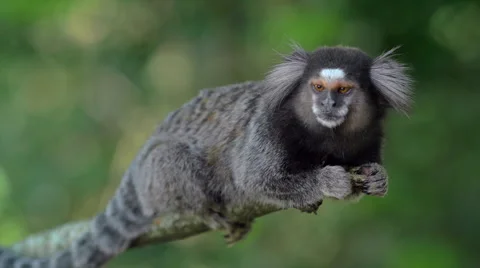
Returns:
(329,103)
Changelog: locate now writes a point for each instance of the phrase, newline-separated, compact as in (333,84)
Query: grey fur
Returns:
(390,78)
(282,79)
(234,145)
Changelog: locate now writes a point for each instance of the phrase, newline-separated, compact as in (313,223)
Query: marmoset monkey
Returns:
(287,141)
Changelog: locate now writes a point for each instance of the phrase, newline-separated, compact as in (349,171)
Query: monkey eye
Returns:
(344,90)
(318,87)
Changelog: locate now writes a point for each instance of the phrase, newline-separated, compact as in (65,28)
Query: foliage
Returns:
(83,83)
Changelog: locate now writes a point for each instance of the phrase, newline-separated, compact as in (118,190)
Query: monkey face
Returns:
(331,100)
(336,78)
(331,96)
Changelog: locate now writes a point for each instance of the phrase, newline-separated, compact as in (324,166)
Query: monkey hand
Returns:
(336,182)
(331,182)
(376,179)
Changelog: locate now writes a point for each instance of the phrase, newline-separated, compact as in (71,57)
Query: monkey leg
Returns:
(179,183)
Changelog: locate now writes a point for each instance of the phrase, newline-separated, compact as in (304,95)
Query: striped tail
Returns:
(110,234)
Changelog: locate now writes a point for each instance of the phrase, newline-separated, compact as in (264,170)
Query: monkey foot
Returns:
(234,231)
(311,208)
(376,180)
(237,232)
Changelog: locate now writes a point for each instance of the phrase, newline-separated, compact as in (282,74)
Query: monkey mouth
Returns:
(330,118)
(330,121)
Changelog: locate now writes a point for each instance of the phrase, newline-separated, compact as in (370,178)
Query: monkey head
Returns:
(339,87)
(334,83)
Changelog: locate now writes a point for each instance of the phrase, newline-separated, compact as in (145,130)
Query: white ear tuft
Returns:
(391,80)
(283,78)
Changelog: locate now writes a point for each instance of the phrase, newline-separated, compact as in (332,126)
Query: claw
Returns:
(234,231)
(311,208)
(237,233)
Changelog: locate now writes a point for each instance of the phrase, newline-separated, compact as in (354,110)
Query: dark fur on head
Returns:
(379,83)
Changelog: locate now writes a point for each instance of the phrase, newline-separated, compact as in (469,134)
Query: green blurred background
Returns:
(83,84)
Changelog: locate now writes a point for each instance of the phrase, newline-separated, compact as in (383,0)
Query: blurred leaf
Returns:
(4,189)
(28,11)
(419,253)
(12,230)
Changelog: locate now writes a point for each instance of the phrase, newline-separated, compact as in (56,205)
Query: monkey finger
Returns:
(238,232)
(375,184)
(311,208)
(379,191)
(367,171)
(372,169)
(377,187)
(358,183)
(376,180)
(216,221)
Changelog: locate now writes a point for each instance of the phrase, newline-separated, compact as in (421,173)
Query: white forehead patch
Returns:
(332,74)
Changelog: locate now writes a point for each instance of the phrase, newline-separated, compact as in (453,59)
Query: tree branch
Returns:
(168,228)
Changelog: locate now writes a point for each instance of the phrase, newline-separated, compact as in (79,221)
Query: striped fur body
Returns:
(254,142)
(213,120)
